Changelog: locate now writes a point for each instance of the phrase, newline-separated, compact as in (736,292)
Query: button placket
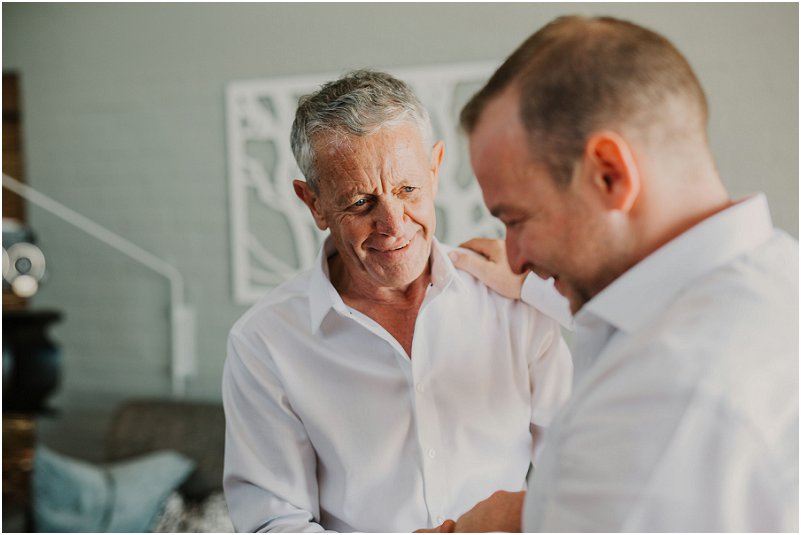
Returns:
(427,416)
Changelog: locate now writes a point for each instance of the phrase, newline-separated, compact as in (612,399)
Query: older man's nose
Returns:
(389,217)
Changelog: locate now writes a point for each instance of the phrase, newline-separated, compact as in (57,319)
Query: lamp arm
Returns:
(182,316)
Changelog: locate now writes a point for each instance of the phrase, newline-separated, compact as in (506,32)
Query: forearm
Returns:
(270,466)
(486,260)
(542,295)
(255,509)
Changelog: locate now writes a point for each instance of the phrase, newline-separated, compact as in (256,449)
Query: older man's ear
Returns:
(310,199)
(437,154)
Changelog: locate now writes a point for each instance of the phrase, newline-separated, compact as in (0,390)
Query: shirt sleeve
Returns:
(270,466)
(541,294)
(550,367)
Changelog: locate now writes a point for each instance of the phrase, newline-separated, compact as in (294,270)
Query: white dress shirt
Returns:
(543,295)
(330,424)
(684,413)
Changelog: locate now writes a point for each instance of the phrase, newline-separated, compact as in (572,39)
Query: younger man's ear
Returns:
(615,174)
(312,200)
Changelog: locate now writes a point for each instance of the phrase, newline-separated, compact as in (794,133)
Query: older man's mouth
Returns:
(398,248)
(393,248)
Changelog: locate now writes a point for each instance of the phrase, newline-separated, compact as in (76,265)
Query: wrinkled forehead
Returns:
(405,130)
(391,150)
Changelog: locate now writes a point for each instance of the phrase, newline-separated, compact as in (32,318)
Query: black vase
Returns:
(31,361)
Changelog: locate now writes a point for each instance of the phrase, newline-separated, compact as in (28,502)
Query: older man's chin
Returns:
(401,267)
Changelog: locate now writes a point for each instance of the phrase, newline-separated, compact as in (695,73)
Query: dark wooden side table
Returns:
(19,443)
(31,373)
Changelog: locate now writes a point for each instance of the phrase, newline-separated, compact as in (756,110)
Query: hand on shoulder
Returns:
(490,265)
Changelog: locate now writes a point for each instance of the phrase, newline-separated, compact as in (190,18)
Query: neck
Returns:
(395,309)
(679,202)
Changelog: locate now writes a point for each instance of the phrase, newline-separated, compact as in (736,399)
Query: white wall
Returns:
(123,117)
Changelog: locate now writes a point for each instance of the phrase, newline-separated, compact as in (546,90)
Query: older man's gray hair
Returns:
(358,104)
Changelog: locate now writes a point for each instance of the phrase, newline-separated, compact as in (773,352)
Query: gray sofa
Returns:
(195,429)
(162,472)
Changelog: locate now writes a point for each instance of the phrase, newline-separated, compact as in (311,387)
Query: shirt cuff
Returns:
(541,294)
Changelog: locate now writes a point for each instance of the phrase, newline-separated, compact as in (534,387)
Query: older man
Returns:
(590,144)
(382,390)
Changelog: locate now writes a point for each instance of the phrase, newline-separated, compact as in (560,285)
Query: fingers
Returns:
(496,275)
(477,266)
(492,249)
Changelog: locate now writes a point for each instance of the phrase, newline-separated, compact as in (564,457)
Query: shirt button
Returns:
(419,387)
(432,453)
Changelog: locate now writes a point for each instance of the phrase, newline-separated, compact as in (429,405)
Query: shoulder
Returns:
(756,293)
(477,290)
(473,285)
(288,302)
(750,296)
(731,338)
(521,317)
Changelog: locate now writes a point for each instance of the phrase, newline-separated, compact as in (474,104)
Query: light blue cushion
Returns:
(70,495)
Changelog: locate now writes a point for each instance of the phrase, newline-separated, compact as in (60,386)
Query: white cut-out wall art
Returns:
(272,233)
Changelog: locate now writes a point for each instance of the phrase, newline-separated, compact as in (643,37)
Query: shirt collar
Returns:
(323,297)
(645,289)
(443,272)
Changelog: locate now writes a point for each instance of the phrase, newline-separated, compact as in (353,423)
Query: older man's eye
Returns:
(360,202)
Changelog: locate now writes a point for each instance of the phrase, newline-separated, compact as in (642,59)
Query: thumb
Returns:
(463,261)
(472,263)
(456,258)
(447,527)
